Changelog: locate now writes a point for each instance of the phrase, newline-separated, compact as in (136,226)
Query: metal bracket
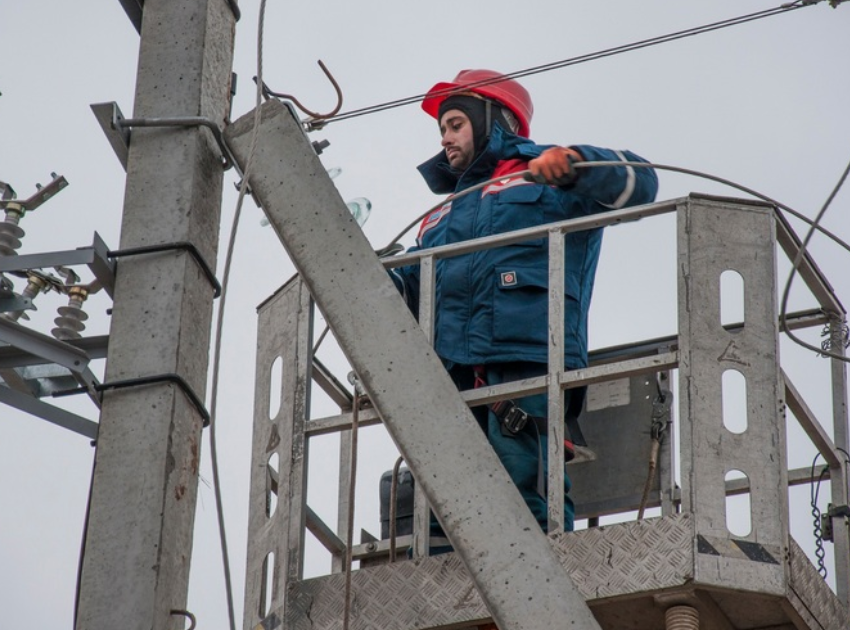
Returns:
(118,130)
(95,256)
(164,247)
(42,194)
(15,303)
(833,511)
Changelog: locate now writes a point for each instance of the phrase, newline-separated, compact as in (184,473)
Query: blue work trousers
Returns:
(519,453)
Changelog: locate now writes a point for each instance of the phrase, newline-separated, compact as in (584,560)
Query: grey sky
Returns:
(764,104)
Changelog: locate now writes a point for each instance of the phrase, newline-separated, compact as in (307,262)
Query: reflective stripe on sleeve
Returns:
(628,189)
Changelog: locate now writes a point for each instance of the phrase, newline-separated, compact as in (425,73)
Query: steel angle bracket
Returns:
(109,116)
(10,303)
(52,350)
(55,415)
(41,345)
(96,256)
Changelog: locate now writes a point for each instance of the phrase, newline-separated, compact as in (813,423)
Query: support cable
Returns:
(608,52)
(243,188)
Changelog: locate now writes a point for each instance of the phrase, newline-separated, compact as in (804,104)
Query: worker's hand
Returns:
(555,166)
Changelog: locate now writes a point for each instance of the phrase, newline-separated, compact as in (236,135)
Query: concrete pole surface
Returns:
(508,556)
(139,543)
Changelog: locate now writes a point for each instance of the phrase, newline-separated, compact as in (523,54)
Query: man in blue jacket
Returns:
(491,306)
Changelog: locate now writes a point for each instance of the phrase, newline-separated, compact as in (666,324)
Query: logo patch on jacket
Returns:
(433,219)
(509,278)
(502,184)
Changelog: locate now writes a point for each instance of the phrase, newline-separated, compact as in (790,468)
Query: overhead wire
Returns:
(600,54)
(216,367)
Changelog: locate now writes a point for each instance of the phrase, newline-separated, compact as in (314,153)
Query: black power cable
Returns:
(600,54)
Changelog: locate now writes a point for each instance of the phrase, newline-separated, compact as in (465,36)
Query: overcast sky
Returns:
(764,104)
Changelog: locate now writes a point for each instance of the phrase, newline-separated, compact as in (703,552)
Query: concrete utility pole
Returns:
(139,544)
(523,585)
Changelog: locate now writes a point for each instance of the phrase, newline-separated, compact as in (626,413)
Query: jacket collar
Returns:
(503,145)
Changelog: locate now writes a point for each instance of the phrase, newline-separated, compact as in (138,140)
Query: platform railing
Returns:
(714,235)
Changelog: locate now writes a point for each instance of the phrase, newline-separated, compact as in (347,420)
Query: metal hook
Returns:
(316,116)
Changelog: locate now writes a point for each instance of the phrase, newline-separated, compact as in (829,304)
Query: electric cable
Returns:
(608,52)
(815,224)
(83,542)
(220,323)
(663,167)
(797,261)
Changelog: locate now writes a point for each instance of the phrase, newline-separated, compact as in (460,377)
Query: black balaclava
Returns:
(476,110)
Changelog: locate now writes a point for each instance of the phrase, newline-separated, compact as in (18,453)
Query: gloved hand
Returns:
(555,166)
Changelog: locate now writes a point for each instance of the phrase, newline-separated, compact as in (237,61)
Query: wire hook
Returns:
(314,115)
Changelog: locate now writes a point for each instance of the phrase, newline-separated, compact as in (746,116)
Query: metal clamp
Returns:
(834,511)
(164,247)
(146,380)
(160,378)
(117,130)
(660,410)
(183,121)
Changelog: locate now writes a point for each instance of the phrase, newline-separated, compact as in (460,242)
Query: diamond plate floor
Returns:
(629,573)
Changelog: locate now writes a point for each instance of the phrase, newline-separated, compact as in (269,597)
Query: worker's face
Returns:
(458,141)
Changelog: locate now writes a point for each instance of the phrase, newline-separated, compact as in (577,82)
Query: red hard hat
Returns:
(505,91)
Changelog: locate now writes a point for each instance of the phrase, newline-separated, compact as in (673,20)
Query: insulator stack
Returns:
(71,320)
(10,232)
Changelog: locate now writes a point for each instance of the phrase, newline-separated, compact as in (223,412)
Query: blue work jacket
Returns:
(492,306)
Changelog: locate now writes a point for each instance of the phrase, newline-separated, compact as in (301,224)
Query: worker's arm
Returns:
(613,187)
